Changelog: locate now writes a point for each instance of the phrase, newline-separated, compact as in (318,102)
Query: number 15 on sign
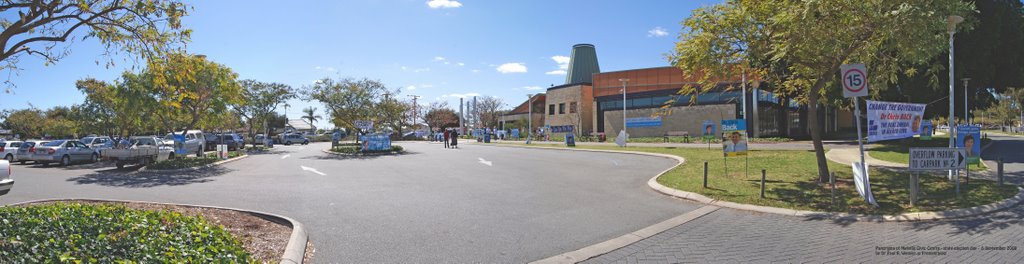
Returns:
(855,80)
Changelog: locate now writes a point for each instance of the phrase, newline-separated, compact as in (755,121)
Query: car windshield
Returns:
(27,145)
(88,140)
(143,142)
(55,143)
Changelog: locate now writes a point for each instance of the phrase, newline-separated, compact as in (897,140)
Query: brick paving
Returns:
(731,236)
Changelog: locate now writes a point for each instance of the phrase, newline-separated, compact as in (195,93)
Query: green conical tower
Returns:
(582,64)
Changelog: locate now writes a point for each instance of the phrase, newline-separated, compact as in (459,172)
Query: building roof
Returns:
(300,124)
(568,85)
(582,64)
(523,109)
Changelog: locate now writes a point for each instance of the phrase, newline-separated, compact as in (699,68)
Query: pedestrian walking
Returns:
(446,134)
(455,139)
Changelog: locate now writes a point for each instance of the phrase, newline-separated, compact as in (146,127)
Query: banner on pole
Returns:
(734,137)
(969,138)
(890,120)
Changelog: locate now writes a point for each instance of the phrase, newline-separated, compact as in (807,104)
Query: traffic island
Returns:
(87,230)
(194,163)
(791,184)
(352,149)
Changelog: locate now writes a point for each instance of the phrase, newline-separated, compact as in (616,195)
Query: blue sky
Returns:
(440,51)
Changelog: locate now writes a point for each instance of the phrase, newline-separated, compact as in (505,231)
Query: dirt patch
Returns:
(264,239)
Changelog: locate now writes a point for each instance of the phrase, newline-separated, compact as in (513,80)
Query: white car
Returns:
(6,183)
(8,149)
(195,141)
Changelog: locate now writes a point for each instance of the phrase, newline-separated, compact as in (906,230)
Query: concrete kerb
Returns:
(199,167)
(917,216)
(294,252)
(361,155)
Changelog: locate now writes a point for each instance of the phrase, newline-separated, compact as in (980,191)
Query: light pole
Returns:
(951,23)
(415,109)
(529,118)
(624,134)
(966,116)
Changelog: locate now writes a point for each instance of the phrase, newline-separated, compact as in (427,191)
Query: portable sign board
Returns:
(734,137)
(969,138)
(928,159)
(855,80)
(926,130)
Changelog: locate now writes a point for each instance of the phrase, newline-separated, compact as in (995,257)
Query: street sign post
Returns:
(855,84)
(364,124)
(935,159)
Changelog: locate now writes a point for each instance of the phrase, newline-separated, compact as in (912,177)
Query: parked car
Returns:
(143,150)
(234,141)
(26,150)
(195,141)
(6,183)
(98,143)
(64,151)
(8,149)
(289,139)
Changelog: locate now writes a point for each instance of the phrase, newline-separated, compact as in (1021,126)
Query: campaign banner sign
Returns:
(570,140)
(561,129)
(643,122)
(734,137)
(889,120)
(709,129)
(515,133)
(969,138)
(376,142)
(926,130)
(179,144)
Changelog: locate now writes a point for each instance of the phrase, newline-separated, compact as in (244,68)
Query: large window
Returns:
(572,107)
(551,109)
(561,108)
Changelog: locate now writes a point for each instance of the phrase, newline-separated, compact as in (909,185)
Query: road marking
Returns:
(285,156)
(485,162)
(615,162)
(312,170)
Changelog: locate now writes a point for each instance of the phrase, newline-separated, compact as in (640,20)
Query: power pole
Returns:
(415,110)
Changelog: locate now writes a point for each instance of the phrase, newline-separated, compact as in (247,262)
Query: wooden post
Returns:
(762,182)
(705,174)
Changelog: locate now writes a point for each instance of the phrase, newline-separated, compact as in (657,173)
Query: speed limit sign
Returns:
(855,80)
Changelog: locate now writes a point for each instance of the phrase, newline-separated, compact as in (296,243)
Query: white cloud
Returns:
(439,58)
(461,64)
(657,32)
(328,69)
(410,88)
(531,88)
(556,72)
(563,61)
(465,95)
(435,4)
(475,71)
(426,85)
(512,67)
(421,70)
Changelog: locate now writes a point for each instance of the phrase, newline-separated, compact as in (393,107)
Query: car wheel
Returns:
(22,162)
(170,156)
(199,153)
(9,158)
(120,165)
(65,161)
(94,158)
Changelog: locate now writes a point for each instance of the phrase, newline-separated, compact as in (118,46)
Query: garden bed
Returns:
(88,231)
(354,149)
(191,162)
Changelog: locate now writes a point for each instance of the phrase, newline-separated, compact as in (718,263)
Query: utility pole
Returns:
(626,135)
(415,110)
(529,129)
(951,23)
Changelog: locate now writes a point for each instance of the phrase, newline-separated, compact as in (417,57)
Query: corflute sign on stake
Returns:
(926,159)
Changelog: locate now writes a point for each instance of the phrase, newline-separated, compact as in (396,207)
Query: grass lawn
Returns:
(792,183)
(898,151)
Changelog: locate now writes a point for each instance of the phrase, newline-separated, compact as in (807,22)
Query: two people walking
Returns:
(451,138)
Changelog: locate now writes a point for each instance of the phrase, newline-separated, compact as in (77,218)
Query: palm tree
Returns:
(311,116)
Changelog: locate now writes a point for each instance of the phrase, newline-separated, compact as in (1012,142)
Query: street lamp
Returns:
(966,116)
(529,118)
(951,23)
(624,134)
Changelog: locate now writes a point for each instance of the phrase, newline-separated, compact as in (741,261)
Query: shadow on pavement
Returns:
(1012,218)
(150,178)
(268,152)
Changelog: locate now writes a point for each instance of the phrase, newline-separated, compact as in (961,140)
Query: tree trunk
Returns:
(819,149)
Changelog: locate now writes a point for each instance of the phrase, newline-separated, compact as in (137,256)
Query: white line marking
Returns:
(615,162)
(485,162)
(312,170)
(285,156)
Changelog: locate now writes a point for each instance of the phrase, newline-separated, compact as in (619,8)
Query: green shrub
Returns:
(112,234)
(355,149)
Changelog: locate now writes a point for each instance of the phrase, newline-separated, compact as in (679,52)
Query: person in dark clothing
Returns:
(455,139)
(446,134)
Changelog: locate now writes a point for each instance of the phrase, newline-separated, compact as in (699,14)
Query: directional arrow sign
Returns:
(928,159)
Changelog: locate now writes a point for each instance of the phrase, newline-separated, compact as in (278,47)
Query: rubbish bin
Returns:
(487,138)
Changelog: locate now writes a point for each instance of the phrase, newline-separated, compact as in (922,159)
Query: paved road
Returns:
(431,206)
(1011,150)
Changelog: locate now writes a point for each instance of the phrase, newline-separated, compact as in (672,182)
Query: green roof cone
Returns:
(582,64)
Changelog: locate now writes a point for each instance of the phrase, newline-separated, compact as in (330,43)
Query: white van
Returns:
(195,141)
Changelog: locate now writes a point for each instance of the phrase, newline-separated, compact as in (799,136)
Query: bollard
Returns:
(913,189)
(832,181)
(999,170)
(705,174)
(762,182)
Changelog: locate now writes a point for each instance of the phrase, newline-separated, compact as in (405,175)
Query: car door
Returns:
(77,150)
